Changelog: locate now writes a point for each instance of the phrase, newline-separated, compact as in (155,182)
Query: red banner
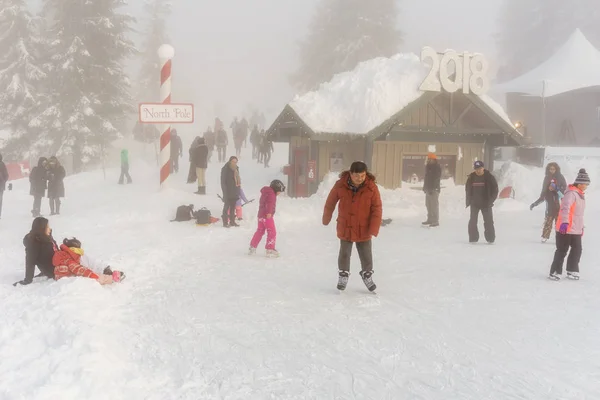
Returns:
(17,170)
(312,171)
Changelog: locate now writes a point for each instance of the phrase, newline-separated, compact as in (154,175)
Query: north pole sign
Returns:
(159,113)
(452,71)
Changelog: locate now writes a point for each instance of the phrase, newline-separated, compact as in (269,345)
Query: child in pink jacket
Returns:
(266,211)
(569,229)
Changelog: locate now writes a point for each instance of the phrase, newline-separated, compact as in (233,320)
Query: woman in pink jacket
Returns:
(569,229)
(266,211)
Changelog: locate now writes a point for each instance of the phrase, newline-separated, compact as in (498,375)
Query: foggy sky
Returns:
(236,53)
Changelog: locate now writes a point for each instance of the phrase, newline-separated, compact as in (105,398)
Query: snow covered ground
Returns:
(199,319)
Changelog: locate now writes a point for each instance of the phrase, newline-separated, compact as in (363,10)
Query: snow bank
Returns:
(360,100)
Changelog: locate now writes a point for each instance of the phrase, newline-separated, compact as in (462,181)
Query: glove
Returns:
(23,282)
(563,228)
(531,206)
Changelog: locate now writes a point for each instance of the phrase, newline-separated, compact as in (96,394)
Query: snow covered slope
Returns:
(199,319)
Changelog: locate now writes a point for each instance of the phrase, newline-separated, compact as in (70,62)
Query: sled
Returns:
(507,193)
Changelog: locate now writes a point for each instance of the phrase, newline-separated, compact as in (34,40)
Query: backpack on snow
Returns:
(203,216)
(184,213)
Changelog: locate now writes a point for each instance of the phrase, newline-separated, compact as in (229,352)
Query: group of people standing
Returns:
(48,175)
(565,206)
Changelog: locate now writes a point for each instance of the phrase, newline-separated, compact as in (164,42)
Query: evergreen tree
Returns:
(88,90)
(154,35)
(531,31)
(20,75)
(344,33)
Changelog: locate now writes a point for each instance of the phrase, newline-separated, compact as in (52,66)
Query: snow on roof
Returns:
(358,101)
(576,65)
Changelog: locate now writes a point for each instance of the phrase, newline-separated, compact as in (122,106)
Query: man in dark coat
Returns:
(3,180)
(56,184)
(198,164)
(230,184)
(481,193)
(553,189)
(38,179)
(431,187)
(176,150)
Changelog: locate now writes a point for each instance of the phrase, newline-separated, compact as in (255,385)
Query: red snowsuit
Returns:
(66,263)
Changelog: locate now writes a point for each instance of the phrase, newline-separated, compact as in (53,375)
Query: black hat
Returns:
(582,178)
(277,186)
(73,242)
(478,164)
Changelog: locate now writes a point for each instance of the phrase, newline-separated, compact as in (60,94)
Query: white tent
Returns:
(576,65)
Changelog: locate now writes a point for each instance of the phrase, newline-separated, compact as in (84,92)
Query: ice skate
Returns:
(343,280)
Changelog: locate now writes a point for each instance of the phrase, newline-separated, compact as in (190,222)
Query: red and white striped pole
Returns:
(166,53)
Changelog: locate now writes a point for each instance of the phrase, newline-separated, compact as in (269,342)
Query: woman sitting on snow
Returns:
(70,261)
(39,250)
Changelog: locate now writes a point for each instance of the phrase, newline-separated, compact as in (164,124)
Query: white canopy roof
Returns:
(576,65)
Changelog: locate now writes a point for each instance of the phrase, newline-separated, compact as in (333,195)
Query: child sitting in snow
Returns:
(266,211)
(238,205)
(70,261)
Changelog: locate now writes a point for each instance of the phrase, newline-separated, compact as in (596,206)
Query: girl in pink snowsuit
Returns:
(266,211)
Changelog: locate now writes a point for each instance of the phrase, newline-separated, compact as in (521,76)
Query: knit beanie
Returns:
(582,178)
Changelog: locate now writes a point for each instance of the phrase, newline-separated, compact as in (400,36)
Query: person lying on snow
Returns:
(69,261)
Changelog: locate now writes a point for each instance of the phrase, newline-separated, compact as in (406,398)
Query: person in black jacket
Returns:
(56,184)
(481,193)
(38,179)
(3,180)
(230,184)
(198,164)
(431,187)
(553,188)
(39,250)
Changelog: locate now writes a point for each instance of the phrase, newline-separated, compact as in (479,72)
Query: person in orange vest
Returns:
(569,229)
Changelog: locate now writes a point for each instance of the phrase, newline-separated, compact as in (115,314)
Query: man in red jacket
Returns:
(359,219)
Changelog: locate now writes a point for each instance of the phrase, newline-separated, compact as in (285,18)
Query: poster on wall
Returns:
(312,170)
(413,167)
(336,162)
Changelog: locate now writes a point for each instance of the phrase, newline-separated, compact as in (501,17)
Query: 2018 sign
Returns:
(470,72)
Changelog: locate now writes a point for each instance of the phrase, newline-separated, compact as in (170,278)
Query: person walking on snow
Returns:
(431,187)
(124,167)
(553,189)
(266,212)
(56,184)
(359,219)
(68,263)
(38,180)
(176,151)
(481,193)
(569,229)
(221,141)
(230,185)
(3,180)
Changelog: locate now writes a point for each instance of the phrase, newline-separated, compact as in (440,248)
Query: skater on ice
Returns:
(68,261)
(239,205)
(553,189)
(230,185)
(481,193)
(266,222)
(359,219)
(569,229)
(39,250)
(431,188)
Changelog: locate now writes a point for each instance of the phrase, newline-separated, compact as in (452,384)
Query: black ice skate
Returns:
(343,280)
(368,280)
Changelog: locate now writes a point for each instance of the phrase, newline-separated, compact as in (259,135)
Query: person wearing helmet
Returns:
(266,223)
(69,261)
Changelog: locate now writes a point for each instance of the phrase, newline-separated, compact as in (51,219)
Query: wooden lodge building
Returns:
(459,128)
